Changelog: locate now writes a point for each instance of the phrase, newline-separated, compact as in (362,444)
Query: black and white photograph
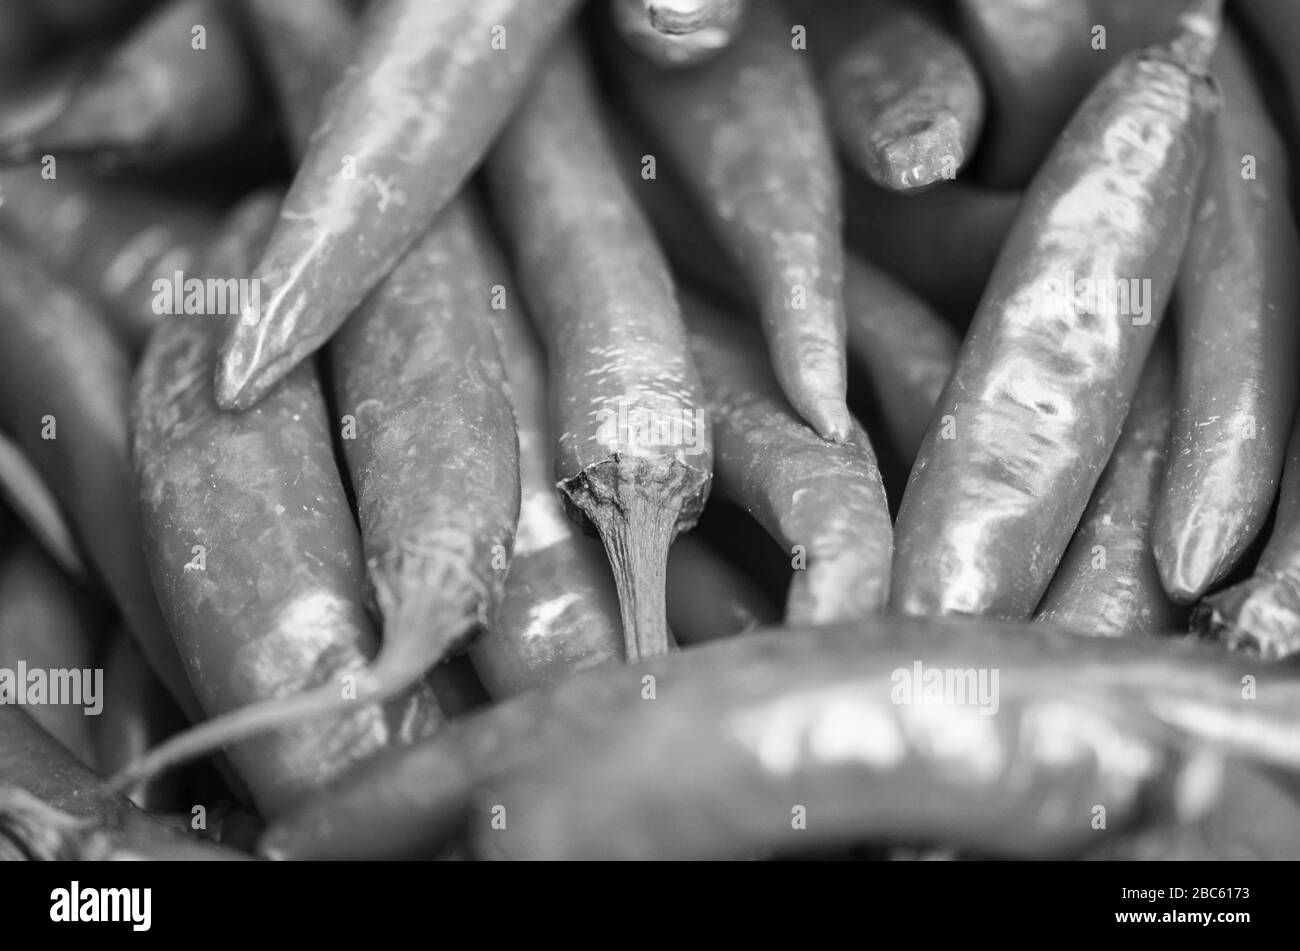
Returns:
(835,433)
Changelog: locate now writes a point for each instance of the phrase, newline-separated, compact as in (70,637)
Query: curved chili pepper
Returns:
(430,85)
(819,718)
(116,240)
(1107,583)
(1052,360)
(64,380)
(749,136)
(254,552)
(157,98)
(903,96)
(636,22)
(905,348)
(53,807)
(1237,345)
(1261,615)
(47,624)
(824,503)
(560,611)
(633,453)
(942,243)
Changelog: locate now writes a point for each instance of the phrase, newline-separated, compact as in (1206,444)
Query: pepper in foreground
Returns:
(833,719)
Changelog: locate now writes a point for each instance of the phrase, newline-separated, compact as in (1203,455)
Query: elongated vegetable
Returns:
(819,718)
(824,503)
(26,493)
(633,453)
(748,133)
(179,84)
(430,85)
(1049,367)
(637,22)
(904,98)
(254,552)
(906,349)
(1035,57)
(941,243)
(560,611)
(1237,345)
(48,626)
(306,45)
(709,597)
(64,382)
(122,242)
(1261,615)
(53,807)
(1107,584)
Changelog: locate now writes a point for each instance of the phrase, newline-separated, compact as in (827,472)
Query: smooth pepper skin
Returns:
(1049,366)
(742,730)
(1238,328)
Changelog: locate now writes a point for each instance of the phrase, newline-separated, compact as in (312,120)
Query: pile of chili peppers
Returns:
(649,429)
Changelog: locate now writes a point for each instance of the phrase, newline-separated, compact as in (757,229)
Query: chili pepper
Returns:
(64,380)
(633,447)
(48,625)
(560,610)
(116,240)
(1035,57)
(819,718)
(254,552)
(683,17)
(306,47)
(1049,367)
(1237,346)
(1261,615)
(709,597)
(178,85)
(138,713)
(636,22)
(25,491)
(904,347)
(749,136)
(824,503)
(903,96)
(1107,583)
(430,85)
(53,807)
(941,243)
